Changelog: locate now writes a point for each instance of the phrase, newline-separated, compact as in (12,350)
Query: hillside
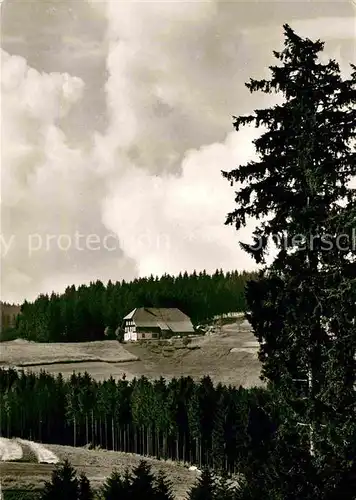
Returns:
(24,353)
(97,465)
(229,356)
(96,311)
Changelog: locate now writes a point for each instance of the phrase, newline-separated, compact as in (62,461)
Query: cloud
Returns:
(31,106)
(150,179)
(172,83)
(79,47)
(48,189)
(173,223)
(174,80)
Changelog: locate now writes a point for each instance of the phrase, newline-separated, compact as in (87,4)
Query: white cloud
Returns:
(175,75)
(47,188)
(178,222)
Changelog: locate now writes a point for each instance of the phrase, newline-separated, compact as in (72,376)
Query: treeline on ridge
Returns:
(96,311)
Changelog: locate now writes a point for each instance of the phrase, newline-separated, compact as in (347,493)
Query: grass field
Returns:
(97,465)
(24,353)
(229,357)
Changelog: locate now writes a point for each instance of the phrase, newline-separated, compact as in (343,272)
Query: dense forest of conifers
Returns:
(96,311)
(181,419)
(9,313)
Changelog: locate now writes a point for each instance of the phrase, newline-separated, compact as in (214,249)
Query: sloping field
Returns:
(14,450)
(213,357)
(43,454)
(229,356)
(98,370)
(10,449)
(97,464)
(24,353)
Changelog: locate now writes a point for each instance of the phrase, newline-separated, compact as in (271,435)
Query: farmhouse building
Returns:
(154,323)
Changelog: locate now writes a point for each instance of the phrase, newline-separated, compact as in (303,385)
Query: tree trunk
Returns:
(74,432)
(200,454)
(148,435)
(158,450)
(48,430)
(165,450)
(135,439)
(92,428)
(87,428)
(112,434)
(8,425)
(39,427)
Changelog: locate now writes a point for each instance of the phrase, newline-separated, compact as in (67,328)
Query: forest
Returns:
(195,422)
(96,311)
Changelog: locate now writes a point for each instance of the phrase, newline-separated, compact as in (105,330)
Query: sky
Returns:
(116,121)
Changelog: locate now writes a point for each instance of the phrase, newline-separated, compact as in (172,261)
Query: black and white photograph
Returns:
(178,250)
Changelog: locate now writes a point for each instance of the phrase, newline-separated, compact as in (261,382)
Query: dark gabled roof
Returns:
(164,318)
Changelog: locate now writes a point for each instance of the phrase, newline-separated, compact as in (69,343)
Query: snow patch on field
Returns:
(43,455)
(9,450)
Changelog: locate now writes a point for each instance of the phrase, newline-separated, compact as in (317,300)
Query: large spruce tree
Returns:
(64,484)
(143,482)
(303,306)
(205,487)
(85,490)
(163,488)
(115,487)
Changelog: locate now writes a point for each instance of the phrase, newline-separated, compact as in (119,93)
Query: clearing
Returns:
(97,465)
(229,356)
(42,454)
(10,450)
(21,352)
(21,450)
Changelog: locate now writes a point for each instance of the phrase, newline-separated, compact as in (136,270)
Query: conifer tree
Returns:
(126,481)
(163,488)
(225,489)
(142,485)
(64,484)
(205,489)
(115,488)
(218,437)
(85,492)
(303,306)
(194,426)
